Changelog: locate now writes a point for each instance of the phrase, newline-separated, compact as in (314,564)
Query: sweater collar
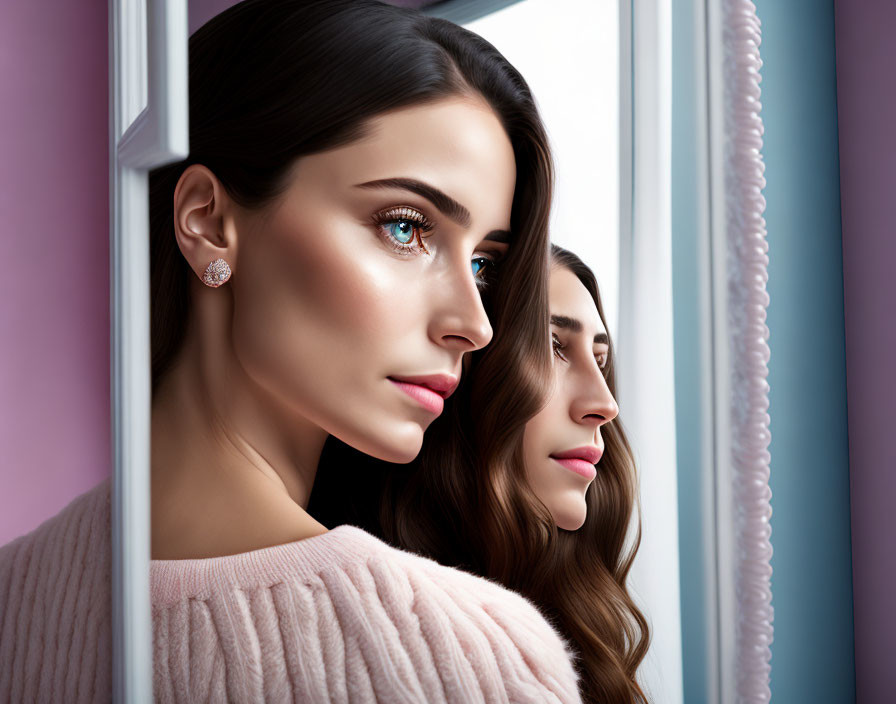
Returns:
(174,580)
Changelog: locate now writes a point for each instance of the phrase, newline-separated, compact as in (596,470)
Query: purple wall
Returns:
(54,249)
(866,100)
(201,11)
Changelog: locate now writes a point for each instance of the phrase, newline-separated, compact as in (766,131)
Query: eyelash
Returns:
(423,224)
(557,346)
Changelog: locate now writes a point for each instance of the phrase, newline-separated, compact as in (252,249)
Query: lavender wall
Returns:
(866,99)
(201,11)
(54,249)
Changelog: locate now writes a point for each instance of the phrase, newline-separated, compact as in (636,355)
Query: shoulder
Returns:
(409,620)
(55,588)
(513,627)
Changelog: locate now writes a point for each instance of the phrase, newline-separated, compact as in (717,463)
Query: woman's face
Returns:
(365,272)
(562,443)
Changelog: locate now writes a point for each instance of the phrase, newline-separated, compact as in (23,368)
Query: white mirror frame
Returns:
(148,103)
(734,255)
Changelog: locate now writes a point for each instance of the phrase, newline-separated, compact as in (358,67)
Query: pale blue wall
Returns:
(812,653)
(687,364)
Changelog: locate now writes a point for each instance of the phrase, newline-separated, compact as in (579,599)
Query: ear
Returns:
(200,207)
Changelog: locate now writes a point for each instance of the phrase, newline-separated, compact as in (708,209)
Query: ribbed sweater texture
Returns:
(341,617)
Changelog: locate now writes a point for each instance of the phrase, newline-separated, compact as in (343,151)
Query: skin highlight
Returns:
(270,365)
(579,405)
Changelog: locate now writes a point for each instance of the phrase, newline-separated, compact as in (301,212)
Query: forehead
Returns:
(456,144)
(569,297)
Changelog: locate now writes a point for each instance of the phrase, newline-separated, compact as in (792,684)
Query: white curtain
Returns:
(645,342)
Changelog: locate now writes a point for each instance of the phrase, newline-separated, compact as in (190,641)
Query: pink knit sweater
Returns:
(342,617)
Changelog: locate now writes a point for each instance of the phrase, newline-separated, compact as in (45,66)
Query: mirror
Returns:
(600,73)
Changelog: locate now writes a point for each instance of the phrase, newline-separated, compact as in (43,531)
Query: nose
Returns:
(459,321)
(593,404)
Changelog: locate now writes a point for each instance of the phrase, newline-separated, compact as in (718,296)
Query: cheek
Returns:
(542,429)
(314,302)
(331,277)
(538,443)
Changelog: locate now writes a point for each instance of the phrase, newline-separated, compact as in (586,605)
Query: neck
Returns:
(232,469)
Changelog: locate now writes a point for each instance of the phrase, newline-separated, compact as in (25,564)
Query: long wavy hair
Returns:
(271,82)
(583,580)
(465,502)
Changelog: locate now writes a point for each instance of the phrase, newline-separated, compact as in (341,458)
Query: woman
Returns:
(576,430)
(536,515)
(356,171)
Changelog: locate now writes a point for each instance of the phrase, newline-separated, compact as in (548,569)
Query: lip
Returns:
(443,384)
(589,453)
(430,391)
(580,460)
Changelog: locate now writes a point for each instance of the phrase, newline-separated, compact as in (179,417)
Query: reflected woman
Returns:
(580,467)
(548,513)
(356,173)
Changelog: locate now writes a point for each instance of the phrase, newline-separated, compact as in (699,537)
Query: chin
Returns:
(570,519)
(399,444)
(403,454)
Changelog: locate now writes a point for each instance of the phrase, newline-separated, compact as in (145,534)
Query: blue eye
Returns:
(480,263)
(402,230)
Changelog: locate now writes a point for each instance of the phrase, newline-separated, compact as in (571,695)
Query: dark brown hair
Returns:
(465,502)
(271,82)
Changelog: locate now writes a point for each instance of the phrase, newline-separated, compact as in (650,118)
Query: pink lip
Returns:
(429,391)
(582,467)
(580,460)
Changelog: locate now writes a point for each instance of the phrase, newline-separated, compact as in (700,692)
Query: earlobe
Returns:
(200,202)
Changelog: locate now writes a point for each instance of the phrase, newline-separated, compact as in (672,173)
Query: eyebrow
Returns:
(574,325)
(441,200)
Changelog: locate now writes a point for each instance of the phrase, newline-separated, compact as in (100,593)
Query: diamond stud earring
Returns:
(216,274)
